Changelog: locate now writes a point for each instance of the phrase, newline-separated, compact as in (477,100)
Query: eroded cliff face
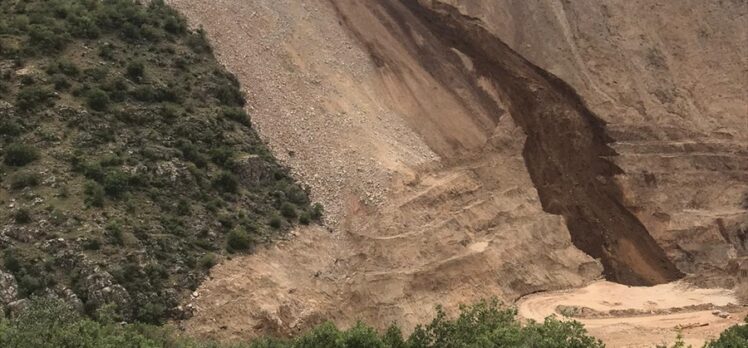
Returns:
(669,80)
(458,163)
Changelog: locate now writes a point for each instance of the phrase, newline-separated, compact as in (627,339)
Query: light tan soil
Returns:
(453,169)
(641,329)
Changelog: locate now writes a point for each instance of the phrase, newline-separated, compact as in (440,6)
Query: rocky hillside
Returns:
(129,166)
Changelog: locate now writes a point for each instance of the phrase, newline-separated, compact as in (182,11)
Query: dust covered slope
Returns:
(454,168)
(670,79)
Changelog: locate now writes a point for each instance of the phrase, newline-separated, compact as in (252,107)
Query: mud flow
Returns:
(566,151)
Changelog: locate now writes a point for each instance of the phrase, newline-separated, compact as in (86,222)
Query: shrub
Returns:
(237,115)
(12,128)
(116,182)
(275,222)
(198,42)
(20,155)
(288,210)
(43,39)
(22,216)
(317,211)
(31,97)
(207,261)
(135,71)
(94,194)
(114,230)
(23,180)
(305,218)
(734,336)
(63,66)
(238,239)
(229,95)
(60,82)
(223,156)
(97,99)
(226,182)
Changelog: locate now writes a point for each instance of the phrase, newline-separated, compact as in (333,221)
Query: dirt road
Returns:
(625,316)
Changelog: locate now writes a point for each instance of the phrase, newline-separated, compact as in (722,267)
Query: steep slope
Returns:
(669,79)
(455,169)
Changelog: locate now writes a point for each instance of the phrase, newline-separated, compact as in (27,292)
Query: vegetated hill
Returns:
(129,166)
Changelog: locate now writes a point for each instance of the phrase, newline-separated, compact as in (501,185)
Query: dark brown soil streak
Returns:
(566,147)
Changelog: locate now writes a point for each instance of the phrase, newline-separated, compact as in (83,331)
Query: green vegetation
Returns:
(20,155)
(125,143)
(735,336)
(52,323)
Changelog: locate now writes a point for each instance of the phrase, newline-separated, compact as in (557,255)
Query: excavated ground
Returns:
(452,169)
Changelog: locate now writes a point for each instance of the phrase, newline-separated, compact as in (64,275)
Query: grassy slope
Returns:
(127,158)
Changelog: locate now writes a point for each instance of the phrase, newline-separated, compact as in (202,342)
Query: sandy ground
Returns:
(641,329)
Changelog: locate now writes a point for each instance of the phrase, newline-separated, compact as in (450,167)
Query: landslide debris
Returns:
(566,150)
(129,166)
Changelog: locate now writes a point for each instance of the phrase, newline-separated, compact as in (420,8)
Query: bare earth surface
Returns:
(453,169)
(643,316)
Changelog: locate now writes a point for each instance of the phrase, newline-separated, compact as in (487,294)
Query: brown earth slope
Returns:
(454,169)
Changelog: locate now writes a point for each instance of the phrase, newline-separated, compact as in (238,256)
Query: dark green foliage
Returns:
(135,71)
(10,128)
(275,222)
(288,210)
(144,129)
(22,216)
(48,323)
(23,179)
(33,97)
(20,154)
(317,211)
(208,260)
(116,182)
(94,194)
(733,337)
(226,182)
(305,218)
(237,115)
(239,240)
(64,67)
(97,99)
(61,82)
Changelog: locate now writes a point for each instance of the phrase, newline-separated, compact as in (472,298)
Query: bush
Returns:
(238,239)
(275,222)
(20,155)
(207,261)
(50,323)
(63,66)
(317,211)
(116,182)
(135,71)
(10,128)
(305,218)
(226,182)
(94,194)
(60,82)
(23,180)
(288,210)
(97,99)
(31,97)
(735,336)
(22,216)
(237,115)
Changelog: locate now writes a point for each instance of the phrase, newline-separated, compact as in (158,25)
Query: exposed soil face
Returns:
(454,169)
(565,151)
(641,316)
